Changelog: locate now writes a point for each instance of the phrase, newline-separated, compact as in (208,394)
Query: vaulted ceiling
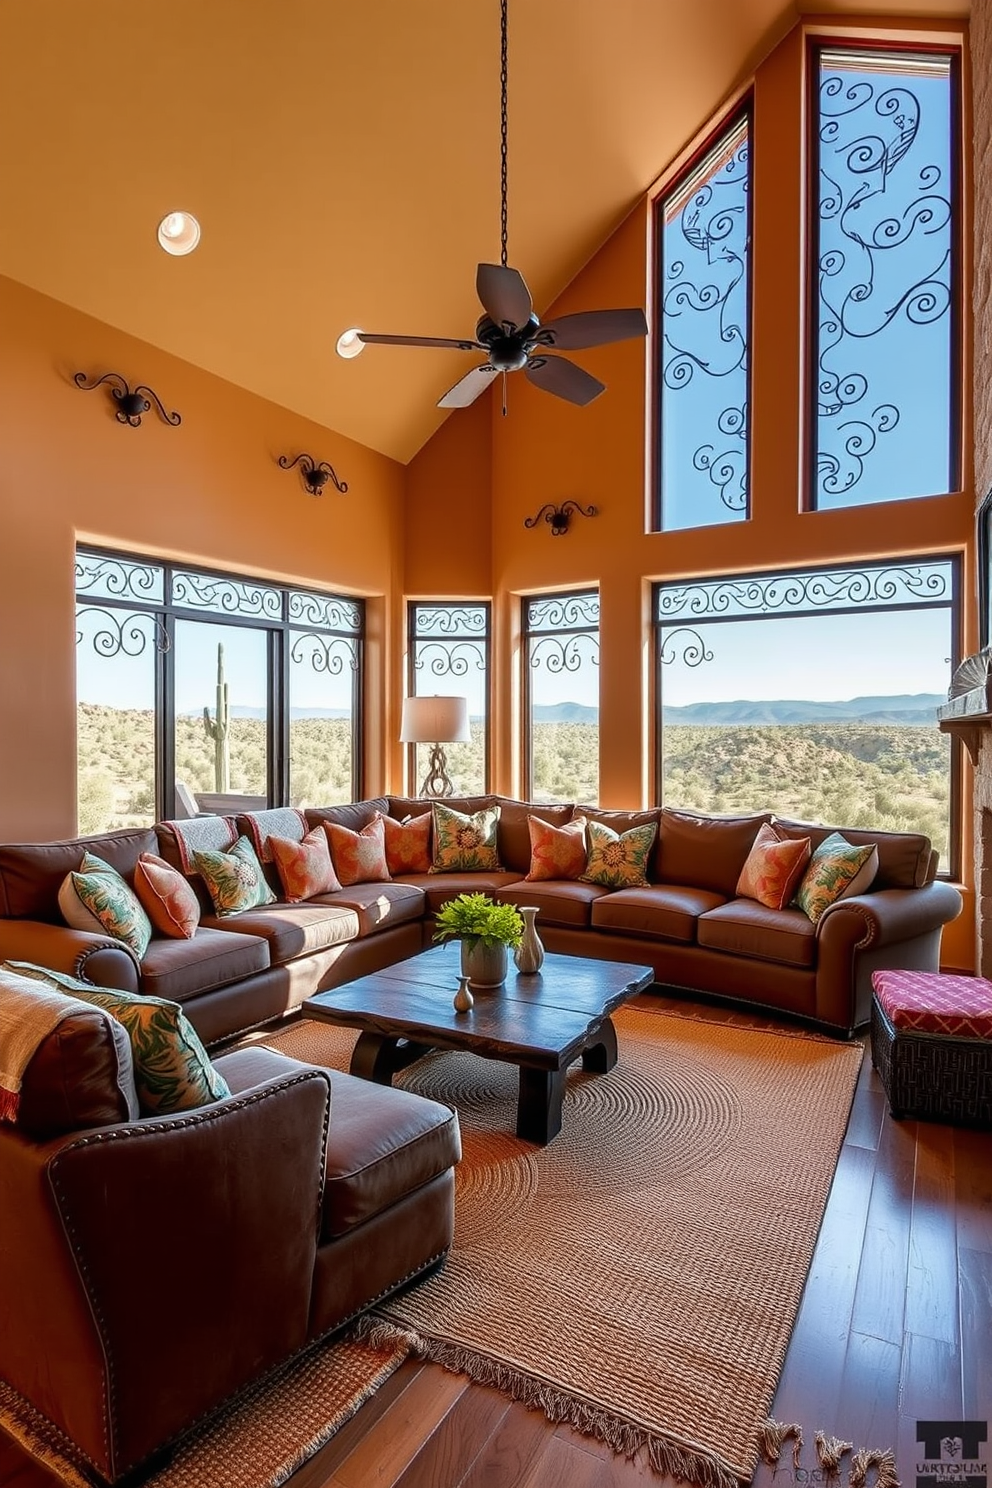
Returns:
(342,157)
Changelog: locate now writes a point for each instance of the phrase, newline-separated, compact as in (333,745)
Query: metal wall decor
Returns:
(131,402)
(558,517)
(315,473)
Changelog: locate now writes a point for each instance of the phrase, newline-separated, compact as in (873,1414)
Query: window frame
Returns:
(483,641)
(527,636)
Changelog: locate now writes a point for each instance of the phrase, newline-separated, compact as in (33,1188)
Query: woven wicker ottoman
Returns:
(931,1042)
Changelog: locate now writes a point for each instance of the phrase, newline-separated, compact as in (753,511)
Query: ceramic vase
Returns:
(529,955)
(484,965)
(463,1001)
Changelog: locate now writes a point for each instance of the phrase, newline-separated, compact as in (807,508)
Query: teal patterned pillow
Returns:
(97,898)
(235,879)
(172,1070)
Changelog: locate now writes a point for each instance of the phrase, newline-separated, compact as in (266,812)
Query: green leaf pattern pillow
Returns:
(465,844)
(235,879)
(832,869)
(618,860)
(96,897)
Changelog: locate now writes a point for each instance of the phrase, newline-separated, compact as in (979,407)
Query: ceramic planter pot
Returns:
(484,965)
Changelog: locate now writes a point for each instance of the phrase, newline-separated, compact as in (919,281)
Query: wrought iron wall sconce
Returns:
(315,476)
(131,402)
(558,517)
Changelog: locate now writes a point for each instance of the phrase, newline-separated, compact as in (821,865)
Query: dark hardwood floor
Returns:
(895,1326)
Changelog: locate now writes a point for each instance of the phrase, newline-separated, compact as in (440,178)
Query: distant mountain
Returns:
(564,713)
(893,709)
(294,713)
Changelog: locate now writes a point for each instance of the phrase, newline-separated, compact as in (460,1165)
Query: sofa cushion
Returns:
(836,870)
(465,842)
(438,888)
(707,852)
(514,835)
(746,928)
(382,1144)
(378,906)
(181,969)
(97,898)
(665,911)
(167,898)
(291,930)
(235,879)
(31,873)
(905,859)
(355,814)
(559,902)
(408,843)
(619,860)
(304,866)
(359,857)
(556,852)
(773,867)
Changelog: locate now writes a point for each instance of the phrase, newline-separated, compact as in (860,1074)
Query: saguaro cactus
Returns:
(217,728)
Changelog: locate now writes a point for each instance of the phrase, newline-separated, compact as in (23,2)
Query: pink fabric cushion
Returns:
(930,1002)
(167,898)
(556,852)
(408,843)
(305,867)
(359,857)
(773,867)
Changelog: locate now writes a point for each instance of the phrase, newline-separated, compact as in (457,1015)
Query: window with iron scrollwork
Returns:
(448,653)
(704,297)
(231,687)
(812,693)
(561,697)
(885,271)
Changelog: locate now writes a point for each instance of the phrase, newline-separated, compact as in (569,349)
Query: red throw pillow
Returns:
(167,898)
(304,868)
(408,844)
(556,852)
(773,868)
(359,857)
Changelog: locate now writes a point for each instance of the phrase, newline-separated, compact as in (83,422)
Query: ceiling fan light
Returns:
(349,345)
(178,233)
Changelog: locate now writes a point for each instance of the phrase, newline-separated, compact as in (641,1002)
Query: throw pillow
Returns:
(359,857)
(167,898)
(305,867)
(172,1071)
(773,867)
(234,879)
(619,860)
(836,870)
(98,899)
(408,844)
(556,852)
(465,843)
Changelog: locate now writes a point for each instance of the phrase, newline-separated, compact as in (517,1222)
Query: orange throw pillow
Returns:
(774,867)
(167,898)
(556,852)
(304,868)
(359,857)
(408,843)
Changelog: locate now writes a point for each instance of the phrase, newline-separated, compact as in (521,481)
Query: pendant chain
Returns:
(502,124)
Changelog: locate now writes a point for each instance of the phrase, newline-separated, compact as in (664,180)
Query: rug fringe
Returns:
(683,1461)
(772,1436)
(884,1464)
(830,1450)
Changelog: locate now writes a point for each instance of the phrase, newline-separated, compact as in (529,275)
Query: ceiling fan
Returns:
(509,332)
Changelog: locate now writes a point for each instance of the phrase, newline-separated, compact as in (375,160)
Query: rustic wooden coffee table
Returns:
(540,1023)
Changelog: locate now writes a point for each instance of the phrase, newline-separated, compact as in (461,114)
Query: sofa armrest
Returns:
(889,915)
(80,953)
(192,1237)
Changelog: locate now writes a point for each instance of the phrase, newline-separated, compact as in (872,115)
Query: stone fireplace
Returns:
(967,714)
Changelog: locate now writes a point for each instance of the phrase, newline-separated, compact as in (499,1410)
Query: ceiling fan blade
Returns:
(563,378)
(472,384)
(591,328)
(504,295)
(419,341)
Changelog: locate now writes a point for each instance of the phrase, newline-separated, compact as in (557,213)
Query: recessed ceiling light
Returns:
(179,233)
(349,344)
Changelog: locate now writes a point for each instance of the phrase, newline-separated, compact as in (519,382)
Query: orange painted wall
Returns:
(548,450)
(208,492)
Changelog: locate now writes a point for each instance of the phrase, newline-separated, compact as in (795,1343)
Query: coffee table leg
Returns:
(377,1057)
(600,1054)
(539,1104)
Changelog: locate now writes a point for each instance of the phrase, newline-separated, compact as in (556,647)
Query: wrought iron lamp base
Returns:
(437,781)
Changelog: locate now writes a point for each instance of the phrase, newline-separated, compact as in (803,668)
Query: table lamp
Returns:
(435,721)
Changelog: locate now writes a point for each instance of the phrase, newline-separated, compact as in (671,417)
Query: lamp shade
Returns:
(435,720)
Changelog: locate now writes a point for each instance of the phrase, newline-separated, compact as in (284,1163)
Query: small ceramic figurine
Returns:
(463,997)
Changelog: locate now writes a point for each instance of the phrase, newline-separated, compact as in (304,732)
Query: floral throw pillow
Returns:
(172,1071)
(234,879)
(408,844)
(556,852)
(464,843)
(97,898)
(167,898)
(304,868)
(359,857)
(619,860)
(773,867)
(836,870)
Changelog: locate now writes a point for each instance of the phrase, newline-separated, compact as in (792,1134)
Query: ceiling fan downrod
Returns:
(502,127)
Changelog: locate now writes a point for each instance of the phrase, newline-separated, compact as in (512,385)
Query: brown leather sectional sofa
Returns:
(241,972)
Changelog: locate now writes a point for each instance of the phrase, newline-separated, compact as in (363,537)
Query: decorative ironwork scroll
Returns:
(119,632)
(331,655)
(450,620)
(326,612)
(132,403)
(559,612)
(224,596)
(564,653)
(815,591)
(884,265)
(705,331)
(103,577)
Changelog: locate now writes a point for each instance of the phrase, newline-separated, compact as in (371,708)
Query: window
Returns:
(704,293)
(811,693)
(224,686)
(561,697)
(448,653)
(884,416)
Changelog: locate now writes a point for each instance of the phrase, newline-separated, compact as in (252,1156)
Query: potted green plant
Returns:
(487,931)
